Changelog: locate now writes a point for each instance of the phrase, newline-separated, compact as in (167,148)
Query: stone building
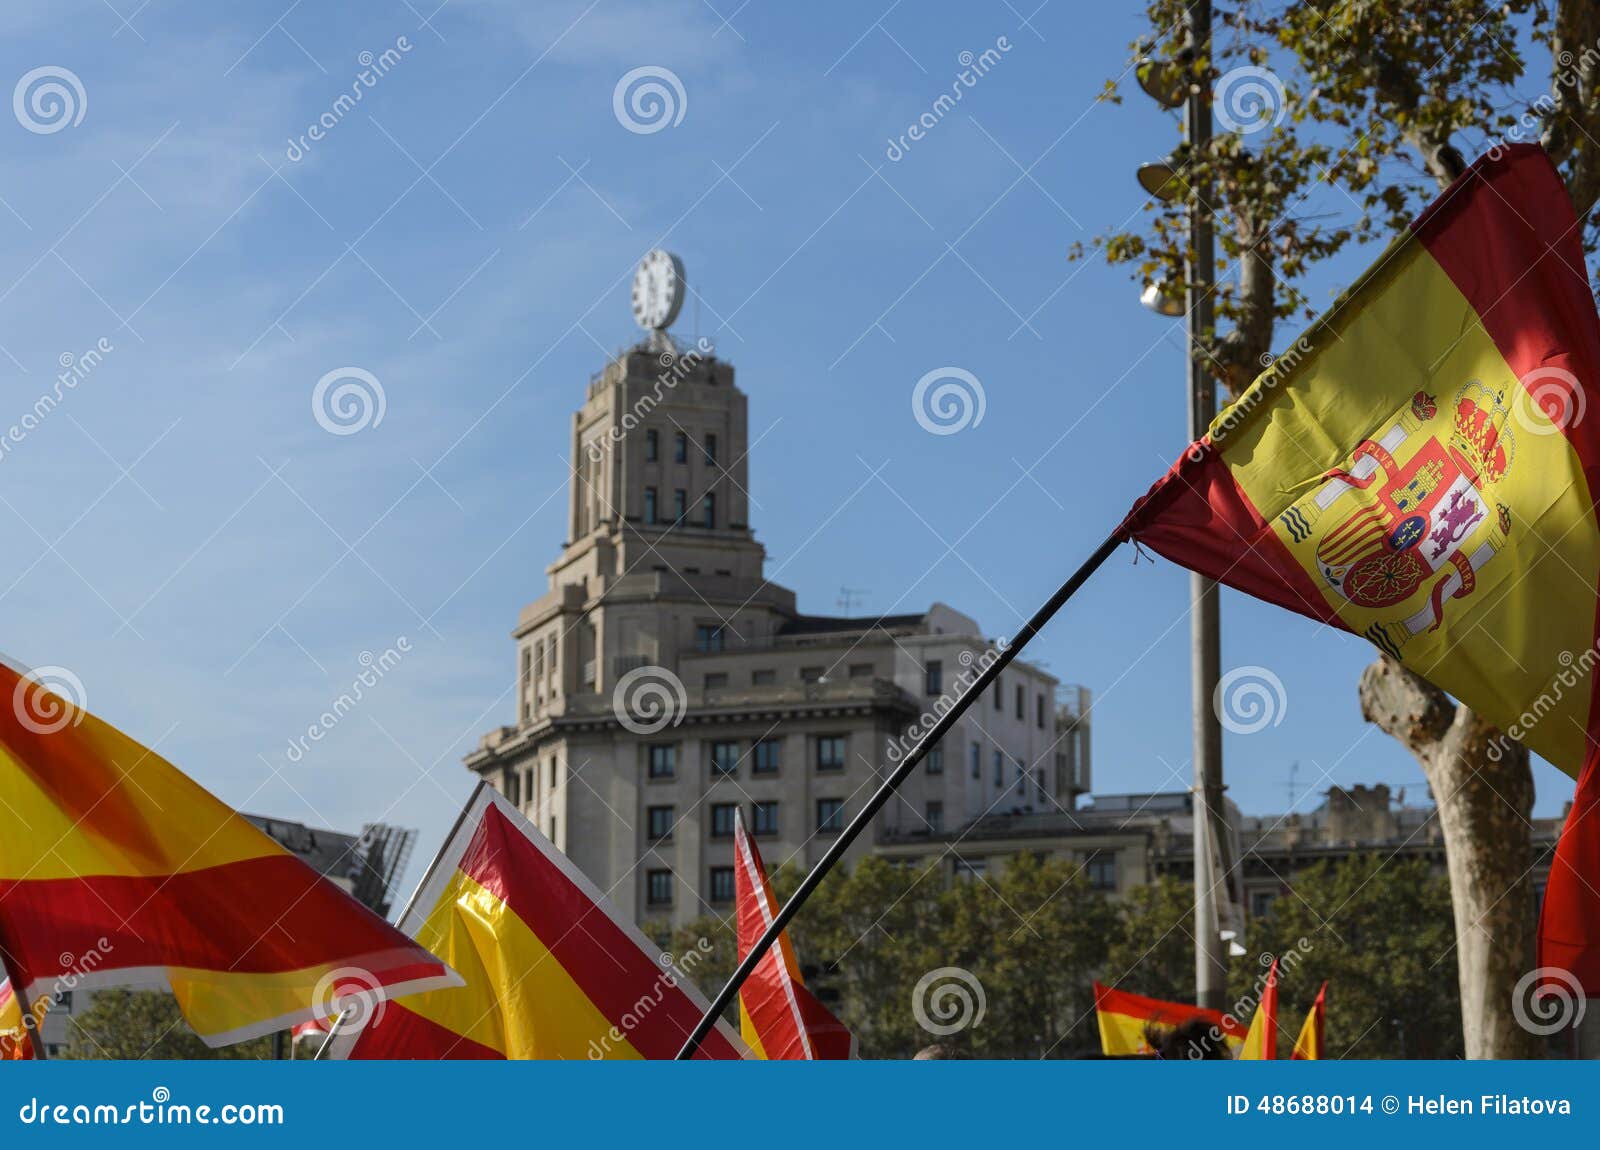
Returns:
(664,683)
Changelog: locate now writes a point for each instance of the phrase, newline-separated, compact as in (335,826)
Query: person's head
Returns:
(1195,1039)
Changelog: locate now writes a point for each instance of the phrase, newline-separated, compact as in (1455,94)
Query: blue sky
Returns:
(212,563)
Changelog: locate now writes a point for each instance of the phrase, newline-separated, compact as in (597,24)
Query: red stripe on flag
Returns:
(404,1035)
(600,956)
(207,919)
(1198,512)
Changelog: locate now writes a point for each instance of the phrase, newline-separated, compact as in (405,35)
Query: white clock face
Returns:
(658,289)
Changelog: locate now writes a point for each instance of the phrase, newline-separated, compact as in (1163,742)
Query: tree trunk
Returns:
(1484,808)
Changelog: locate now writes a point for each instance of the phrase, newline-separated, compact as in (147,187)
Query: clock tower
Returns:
(665,684)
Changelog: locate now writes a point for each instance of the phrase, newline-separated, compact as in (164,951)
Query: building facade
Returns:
(666,686)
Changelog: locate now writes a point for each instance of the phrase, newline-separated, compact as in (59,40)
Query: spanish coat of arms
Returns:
(1412,514)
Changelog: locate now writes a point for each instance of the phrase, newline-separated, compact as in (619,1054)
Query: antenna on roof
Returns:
(850,596)
(1294,769)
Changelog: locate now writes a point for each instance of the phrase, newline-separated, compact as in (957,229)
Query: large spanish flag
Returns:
(116,869)
(779,1017)
(1123,1017)
(1262,1040)
(551,969)
(1309,1044)
(1421,469)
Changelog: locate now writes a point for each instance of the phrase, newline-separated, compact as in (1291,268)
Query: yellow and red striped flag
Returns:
(15,1043)
(1123,1017)
(551,969)
(1262,1040)
(1309,1043)
(778,1016)
(1422,468)
(116,869)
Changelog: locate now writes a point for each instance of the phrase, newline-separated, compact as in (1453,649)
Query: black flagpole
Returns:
(889,786)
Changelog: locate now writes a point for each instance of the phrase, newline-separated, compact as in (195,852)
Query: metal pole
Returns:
(891,784)
(1210,959)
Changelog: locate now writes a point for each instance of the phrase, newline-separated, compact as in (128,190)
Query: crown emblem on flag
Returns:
(1480,433)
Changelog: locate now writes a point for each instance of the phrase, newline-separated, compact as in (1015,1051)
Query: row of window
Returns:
(999,759)
(680,507)
(660,820)
(933,672)
(766,756)
(660,884)
(764,677)
(680,447)
(1100,869)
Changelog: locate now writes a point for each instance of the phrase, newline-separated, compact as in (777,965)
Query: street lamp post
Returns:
(1171,179)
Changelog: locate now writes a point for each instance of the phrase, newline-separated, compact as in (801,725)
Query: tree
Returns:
(1152,952)
(1374,96)
(994,966)
(1381,932)
(145,1024)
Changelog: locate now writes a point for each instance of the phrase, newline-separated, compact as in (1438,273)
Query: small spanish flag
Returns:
(1309,1044)
(779,1017)
(1123,1017)
(1422,468)
(15,1043)
(551,969)
(116,869)
(1262,1040)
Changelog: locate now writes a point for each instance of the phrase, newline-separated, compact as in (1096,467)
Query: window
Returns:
(680,504)
(830,816)
(999,691)
(722,818)
(970,868)
(861,670)
(830,752)
(649,504)
(765,821)
(663,760)
(658,888)
(553,837)
(764,678)
(512,787)
(999,769)
(722,884)
(680,448)
(708,638)
(552,775)
(811,674)
(724,758)
(660,819)
(1261,903)
(768,757)
(652,446)
(934,673)
(716,680)
(711,448)
(1040,719)
(708,510)
(524,682)
(1102,872)
(936,761)
(976,756)
(934,813)
(1022,701)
